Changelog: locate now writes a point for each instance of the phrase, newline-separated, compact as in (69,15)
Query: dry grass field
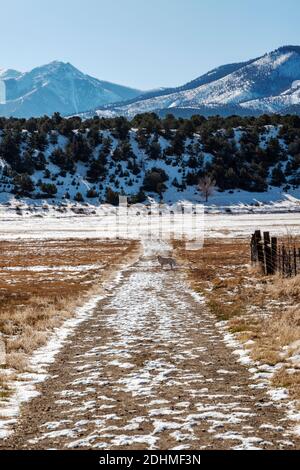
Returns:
(263,311)
(42,283)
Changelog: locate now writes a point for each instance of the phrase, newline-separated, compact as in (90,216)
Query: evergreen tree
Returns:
(48,189)
(154,181)
(23,185)
(278,178)
(78,197)
(112,197)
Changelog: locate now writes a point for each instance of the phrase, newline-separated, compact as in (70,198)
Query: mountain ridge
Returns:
(266,84)
(57,87)
(231,88)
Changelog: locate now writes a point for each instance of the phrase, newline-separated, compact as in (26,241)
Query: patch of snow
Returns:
(278,394)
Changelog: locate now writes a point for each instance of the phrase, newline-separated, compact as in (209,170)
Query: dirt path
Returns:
(150,370)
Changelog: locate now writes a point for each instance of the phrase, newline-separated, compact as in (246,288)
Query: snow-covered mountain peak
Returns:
(251,87)
(54,71)
(58,87)
(288,48)
(285,60)
(7,74)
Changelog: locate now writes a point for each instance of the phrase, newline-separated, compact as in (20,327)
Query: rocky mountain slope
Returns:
(269,84)
(57,87)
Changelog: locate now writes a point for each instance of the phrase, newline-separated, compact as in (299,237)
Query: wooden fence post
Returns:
(290,272)
(295,261)
(260,251)
(283,261)
(253,250)
(274,255)
(268,253)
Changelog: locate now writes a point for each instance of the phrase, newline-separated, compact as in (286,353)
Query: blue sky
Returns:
(142,43)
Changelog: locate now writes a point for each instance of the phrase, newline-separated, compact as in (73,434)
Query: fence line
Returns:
(275,257)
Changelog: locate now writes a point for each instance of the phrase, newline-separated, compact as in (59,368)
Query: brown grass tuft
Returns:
(285,288)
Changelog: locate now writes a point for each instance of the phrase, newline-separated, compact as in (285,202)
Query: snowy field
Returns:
(222,217)
(97,227)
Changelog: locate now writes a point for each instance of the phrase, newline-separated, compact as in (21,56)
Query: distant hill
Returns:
(96,160)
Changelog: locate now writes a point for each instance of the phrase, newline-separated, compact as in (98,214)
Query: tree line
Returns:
(247,153)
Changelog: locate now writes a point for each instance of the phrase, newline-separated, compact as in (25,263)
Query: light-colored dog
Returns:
(167,262)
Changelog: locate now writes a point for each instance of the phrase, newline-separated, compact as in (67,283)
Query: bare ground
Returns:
(150,370)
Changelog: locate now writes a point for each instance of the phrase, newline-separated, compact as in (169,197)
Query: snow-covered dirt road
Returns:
(150,370)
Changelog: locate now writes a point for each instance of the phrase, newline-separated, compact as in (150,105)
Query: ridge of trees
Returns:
(252,161)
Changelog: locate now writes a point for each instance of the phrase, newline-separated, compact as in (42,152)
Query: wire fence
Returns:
(275,256)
